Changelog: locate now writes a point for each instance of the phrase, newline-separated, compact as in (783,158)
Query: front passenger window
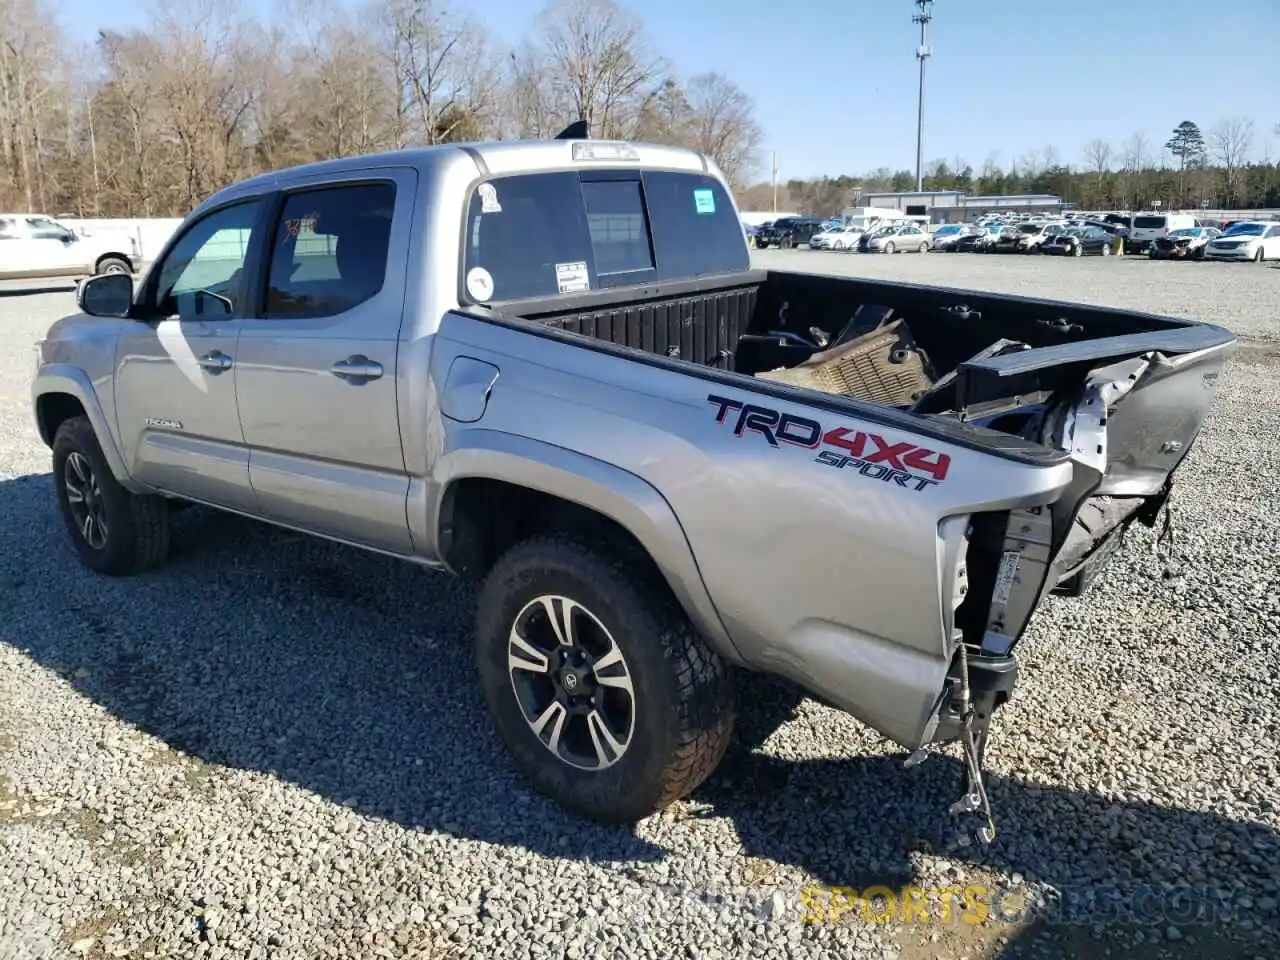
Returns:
(202,277)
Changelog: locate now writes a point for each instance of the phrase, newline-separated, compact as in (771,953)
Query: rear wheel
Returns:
(606,697)
(924,248)
(1077,250)
(1257,257)
(113,265)
(1106,249)
(889,247)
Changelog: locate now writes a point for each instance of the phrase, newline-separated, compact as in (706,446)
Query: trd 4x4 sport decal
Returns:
(868,454)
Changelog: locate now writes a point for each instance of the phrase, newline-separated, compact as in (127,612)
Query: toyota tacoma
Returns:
(550,367)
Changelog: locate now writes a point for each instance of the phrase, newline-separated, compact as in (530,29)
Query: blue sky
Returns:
(835,80)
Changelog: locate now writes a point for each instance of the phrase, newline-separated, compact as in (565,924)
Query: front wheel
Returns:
(1257,257)
(924,248)
(114,531)
(600,688)
(1106,249)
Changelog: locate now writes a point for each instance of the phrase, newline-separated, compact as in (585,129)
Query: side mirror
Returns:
(110,295)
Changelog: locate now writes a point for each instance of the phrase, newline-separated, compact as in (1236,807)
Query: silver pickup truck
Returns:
(550,367)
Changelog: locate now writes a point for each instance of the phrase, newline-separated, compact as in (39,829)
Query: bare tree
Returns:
(445,66)
(1137,152)
(598,62)
(1230,141)
(1097,154)
(722,124)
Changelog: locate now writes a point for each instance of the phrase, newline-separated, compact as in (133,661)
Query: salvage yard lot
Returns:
(275,746)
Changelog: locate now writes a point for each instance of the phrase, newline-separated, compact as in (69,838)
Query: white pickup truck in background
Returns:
(33,245)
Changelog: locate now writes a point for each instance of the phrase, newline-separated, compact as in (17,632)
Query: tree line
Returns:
(149,122)
(1217,168)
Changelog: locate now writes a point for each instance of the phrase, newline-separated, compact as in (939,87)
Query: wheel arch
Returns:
(112,255)
(495,489)
(61,392)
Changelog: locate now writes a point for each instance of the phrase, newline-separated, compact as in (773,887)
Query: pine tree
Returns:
(1187,144)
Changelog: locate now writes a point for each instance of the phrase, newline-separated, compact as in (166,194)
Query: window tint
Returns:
(1149,223)
(695,230)
(207,259)
(45,229)
(329,249)
(616,220)
(540,235)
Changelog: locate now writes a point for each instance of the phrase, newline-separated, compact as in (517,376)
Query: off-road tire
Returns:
(113,265)
(137,536)
(684,711)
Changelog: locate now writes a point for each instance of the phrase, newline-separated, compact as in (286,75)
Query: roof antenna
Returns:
(577,130)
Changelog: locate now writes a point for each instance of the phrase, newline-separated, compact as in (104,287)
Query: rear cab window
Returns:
(530,236)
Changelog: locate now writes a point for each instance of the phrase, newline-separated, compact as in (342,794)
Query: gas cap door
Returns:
(467,388)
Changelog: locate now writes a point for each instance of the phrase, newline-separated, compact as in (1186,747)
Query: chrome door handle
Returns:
(215,361)
(357,369)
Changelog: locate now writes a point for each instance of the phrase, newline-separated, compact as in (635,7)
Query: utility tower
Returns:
(923,53)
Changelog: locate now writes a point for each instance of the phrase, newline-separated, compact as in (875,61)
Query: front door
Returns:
(316,369)
(175,381)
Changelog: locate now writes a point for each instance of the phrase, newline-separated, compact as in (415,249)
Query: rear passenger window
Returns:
(329,250)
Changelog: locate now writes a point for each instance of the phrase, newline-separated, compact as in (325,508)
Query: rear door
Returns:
(317,364)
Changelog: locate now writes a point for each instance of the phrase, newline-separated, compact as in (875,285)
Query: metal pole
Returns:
(775,182)
(922,54)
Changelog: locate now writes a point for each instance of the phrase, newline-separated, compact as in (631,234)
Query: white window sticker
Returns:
(572,277)
(489,198)
(479,284)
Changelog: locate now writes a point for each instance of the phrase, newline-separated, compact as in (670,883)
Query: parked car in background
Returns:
(1090,240)
(33,245)
(1150,227)
(1255,240)
(900,238)
(787,232)
(1025,237)
(842,238)
(980,241)
(1185,244)
(947,235)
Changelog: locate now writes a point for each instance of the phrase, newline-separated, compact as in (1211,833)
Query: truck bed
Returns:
(996,370)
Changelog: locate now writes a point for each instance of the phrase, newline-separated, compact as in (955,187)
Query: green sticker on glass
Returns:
(704,201)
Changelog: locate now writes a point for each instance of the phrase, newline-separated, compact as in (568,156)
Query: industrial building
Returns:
(955,206)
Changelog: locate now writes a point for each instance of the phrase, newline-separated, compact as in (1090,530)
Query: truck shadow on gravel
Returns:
(350,675)
(860,822)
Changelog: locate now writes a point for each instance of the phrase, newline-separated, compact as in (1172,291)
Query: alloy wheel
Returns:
(84,497)
(572,682)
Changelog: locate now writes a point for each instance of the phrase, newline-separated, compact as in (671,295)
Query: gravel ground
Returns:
(263,750)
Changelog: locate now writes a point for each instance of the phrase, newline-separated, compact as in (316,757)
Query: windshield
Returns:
(994,228)
(1246,230)
(947,230)
(1185,232)
(1029,228)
